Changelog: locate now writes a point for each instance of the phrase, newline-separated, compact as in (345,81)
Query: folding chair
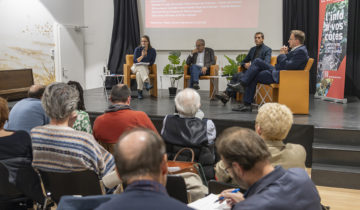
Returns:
(176,188)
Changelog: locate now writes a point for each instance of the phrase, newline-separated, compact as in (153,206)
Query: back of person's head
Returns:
(36,91)
(4,112)
(274,121)
(78,87)
(59,100)
(139,152)
(187,102)
(243,146)
(120,93)
(299,35)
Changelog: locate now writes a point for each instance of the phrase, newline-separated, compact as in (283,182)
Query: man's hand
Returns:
(284,50)
(194,51)
(231,198)
(203,70)
(72,119)
(247,65)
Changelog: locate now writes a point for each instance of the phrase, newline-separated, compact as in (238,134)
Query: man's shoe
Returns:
(140,95)
(237,87)
(243,108)
(223,97)
(196,86)
(148,86)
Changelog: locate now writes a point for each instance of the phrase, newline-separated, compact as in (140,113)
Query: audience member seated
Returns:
(259,51)
(82,122)
(142,162)
(28,113)
(246,157)
(200,59)
(58,147)
(185,130)
(273,123)
(264,73)
(16,156)
(119,117)
(144,53)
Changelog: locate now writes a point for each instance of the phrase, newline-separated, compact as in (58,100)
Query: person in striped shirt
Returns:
(57,147)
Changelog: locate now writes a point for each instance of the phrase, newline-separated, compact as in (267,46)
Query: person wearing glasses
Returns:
(199,60)
(144,54)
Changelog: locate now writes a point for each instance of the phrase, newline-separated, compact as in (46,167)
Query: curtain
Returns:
(125,36)
(352,80)
(303,15)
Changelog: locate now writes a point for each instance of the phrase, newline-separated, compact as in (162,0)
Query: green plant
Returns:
(232,67)
(174,67)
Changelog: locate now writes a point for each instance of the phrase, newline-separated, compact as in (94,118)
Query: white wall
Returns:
(98,17)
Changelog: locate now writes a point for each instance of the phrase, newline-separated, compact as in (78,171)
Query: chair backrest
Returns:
(273,60)
(129,59)
(6,188)
(216,187)
(74,183)
(309,64)
(176,188)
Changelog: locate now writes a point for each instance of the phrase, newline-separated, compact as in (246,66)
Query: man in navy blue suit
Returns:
(264,73)
(259,51)
(141,163)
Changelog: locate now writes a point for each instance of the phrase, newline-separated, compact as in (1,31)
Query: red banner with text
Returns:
(333,26)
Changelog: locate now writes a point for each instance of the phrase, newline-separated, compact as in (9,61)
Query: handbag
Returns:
(178,167)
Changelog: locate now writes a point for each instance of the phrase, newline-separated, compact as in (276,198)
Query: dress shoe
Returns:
(243,108)
(140,95)
(223,97)
(196,86)
(148,86)
(237,87)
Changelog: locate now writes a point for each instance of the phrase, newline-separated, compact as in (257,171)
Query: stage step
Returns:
(336,158)
(336,176)
(337,136)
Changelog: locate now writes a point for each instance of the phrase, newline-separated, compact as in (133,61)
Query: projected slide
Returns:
(201,14)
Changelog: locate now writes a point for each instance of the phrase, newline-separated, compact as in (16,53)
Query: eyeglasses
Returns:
(227,170)
(144,41)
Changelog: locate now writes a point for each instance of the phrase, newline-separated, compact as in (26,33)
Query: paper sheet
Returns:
(208,203)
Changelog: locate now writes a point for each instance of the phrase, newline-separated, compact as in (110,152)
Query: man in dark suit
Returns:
(259,51)
(200,60)
(246,159)
(264,73)
(141,163)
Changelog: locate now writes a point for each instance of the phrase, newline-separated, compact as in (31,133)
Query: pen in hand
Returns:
(222,198)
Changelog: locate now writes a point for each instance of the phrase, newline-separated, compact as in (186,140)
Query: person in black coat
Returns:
(185,129)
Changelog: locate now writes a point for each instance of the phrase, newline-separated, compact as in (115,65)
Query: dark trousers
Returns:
(258,72)
(195,73)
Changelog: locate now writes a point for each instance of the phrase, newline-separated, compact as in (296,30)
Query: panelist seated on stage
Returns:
(199,60)
(57,147)
(146,54)
(246,158)
(259,51)
(264,73)
(186,130)
(273,123)
(28,113)
(119,117)
(141,163)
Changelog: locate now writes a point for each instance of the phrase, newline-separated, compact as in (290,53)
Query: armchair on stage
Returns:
(214,69)
(128,75)
(292,90)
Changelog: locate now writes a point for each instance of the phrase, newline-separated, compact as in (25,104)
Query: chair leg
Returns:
(154,90)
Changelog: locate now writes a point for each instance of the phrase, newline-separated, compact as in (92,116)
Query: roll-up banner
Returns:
(333,26)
